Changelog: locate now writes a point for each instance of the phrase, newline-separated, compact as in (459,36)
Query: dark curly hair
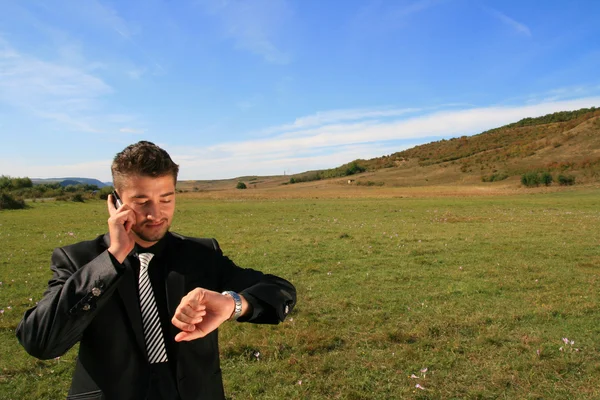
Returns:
(142,159)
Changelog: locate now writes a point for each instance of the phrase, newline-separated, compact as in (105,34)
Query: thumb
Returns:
(188,336)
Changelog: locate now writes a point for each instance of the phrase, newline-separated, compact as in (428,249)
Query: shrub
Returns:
(8,202)
(546,178)
(370,183)
(498,176)
(77,197)
(6,182)
(531,179)
(241,185)
(105,191)
(566,180)
(354,168)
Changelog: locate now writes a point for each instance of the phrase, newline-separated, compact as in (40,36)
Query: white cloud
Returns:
(132,130)
(296,149)
(418,6)
(107,16)
(250,102)
(516,25)
(324,145)
(257,164)
(253,25)
(24,167)
(50,90)
(327,117)
(378,17)
(136,73)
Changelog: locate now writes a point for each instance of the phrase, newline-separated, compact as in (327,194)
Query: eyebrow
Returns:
(143,196)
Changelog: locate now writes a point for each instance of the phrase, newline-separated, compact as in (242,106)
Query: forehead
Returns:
(138,185)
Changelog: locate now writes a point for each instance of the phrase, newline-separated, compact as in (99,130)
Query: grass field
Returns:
(469,298)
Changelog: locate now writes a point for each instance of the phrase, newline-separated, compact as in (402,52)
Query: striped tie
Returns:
(155,342)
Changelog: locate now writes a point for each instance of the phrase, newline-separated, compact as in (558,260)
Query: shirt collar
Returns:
(157,249)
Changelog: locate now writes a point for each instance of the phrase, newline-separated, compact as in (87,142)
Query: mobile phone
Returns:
(116,199)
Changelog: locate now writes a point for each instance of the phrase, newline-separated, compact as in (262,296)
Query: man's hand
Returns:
(200,312)
(120,223)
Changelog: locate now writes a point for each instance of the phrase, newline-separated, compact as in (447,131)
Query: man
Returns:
(145,303)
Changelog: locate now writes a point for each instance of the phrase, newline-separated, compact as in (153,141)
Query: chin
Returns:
(152,237)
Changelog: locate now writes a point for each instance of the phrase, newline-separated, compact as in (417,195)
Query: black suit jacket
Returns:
(93,301)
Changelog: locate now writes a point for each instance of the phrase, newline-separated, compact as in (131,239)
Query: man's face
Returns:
(153,201)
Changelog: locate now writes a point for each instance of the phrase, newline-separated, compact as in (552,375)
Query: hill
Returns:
(530,143)
(558,143)
(563,142)
(69,181)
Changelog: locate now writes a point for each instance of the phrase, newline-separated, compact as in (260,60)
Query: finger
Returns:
(192,301)
(196,299)
(110,204)
(129,223)
(189,316)
(123,216)
(193,312)
(188,336)
(185,327)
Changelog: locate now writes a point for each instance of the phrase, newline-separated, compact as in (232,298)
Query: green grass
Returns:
(480,291)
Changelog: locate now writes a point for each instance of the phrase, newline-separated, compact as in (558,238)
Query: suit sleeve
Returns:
(73,297)
(272,298)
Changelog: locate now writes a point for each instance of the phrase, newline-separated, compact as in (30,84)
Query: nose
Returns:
(152,212)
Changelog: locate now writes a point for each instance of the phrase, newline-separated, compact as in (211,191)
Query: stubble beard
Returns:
(152,237)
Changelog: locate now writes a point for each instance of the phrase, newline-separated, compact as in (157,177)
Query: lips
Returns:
(154,224)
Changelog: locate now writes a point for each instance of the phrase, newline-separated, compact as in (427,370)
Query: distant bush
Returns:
(370,183)
(546,178)
(241,185)
(345,170)
(566,180)
(498,176)
(78,198)
(531,179)
(9,202)
(561,116)
(105,191)
(354,168)
(7,182)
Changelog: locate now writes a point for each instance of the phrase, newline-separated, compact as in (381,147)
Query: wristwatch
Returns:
(238,304)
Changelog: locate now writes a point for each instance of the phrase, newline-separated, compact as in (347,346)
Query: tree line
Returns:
(14,191)
(345,170)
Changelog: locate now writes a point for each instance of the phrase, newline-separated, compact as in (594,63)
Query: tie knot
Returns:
(145,259)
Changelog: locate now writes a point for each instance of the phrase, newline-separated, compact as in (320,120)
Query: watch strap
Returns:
(238,304)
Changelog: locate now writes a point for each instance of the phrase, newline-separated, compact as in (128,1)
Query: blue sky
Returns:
(263,87)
